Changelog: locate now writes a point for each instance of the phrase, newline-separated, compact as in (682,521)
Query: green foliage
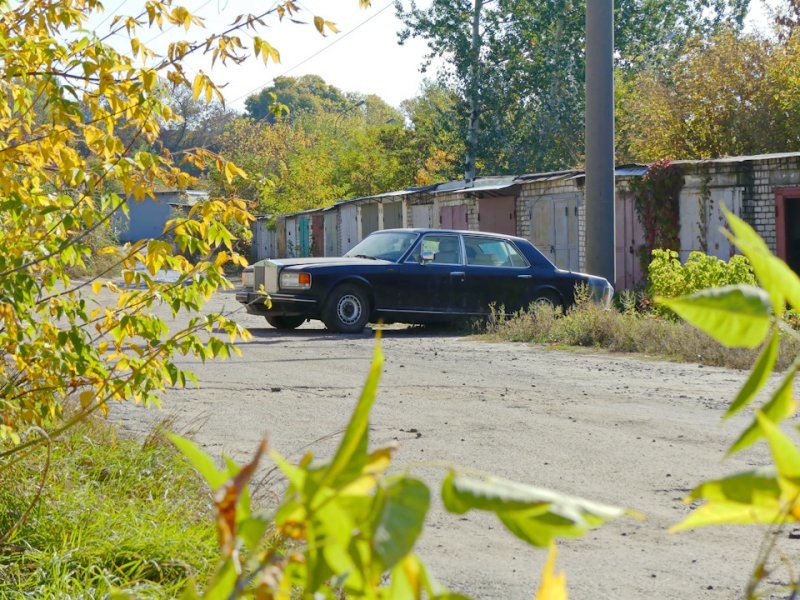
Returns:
(670,279)
(324,151)
(346,527)
(297,96)
(531,65)
(114,514)
(747,316)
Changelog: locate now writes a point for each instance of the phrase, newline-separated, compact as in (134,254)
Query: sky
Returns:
(364,57)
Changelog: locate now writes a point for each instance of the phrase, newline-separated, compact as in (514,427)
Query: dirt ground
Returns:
(627,431)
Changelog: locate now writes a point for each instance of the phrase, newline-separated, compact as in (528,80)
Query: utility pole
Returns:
(599,191)
(474,90)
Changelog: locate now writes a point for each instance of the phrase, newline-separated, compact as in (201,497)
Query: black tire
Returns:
(285,323)
(346,310)
(548,298)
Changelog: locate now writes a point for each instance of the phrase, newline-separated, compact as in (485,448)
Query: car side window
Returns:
(446,249)
(490,252)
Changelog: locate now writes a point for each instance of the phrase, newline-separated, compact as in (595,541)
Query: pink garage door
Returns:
(453,217)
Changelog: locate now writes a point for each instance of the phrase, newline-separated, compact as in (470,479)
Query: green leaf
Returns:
(743,498)
(200,461)
(399,523)
(758,376)
(253,529)
(295,475)
(352,452)
(780,406)
(784,452)
(223,584)
(410,578)
(725,513)
(533,514)
(774,275)
(737,315)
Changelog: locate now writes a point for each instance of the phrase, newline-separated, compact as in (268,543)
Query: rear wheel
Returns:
(285,322)
(347,309)
(549,299)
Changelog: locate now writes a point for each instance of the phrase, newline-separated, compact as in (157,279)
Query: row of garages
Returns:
(548,209)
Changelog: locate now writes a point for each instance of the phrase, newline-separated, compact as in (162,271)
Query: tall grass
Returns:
(627,330)
(114,514)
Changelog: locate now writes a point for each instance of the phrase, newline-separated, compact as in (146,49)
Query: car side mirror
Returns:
(426,257)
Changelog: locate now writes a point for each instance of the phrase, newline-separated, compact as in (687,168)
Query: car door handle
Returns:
(524,276)
(457,274)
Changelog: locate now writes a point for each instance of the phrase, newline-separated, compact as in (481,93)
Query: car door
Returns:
(432,286)
(496,273)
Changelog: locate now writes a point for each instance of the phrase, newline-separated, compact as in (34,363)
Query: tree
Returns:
(77,122)
(295,96)
(200,124)
(531,62)
(438,134)
(732,95)
(319,155)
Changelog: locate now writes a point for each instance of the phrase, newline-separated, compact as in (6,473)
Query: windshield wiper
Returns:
(365,256)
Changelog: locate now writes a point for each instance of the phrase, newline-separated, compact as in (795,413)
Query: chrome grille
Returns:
(271,272)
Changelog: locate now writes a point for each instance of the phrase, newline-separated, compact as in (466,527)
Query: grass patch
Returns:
(114,514)
(590,325)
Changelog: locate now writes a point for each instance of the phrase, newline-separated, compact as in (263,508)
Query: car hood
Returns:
(327,261)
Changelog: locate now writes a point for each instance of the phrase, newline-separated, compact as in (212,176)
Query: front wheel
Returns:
(285,323)
(347,309)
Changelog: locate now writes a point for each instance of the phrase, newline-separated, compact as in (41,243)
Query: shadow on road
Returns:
(310,332)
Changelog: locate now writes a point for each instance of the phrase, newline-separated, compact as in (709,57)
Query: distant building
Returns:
(146,219)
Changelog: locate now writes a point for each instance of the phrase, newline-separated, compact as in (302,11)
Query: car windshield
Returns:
(385,245)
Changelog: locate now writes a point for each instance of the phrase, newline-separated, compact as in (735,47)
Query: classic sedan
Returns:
(411,276)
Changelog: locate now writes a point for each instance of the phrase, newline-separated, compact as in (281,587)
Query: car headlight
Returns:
(296,280)
(608,294)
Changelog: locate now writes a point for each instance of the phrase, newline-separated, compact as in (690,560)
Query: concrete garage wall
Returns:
(548,214)
(756,178)
(550,210)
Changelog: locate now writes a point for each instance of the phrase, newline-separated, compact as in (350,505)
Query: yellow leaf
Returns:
(359,487)
(197,86)
(319,23)
(86,398)
(97,286)
(553,585)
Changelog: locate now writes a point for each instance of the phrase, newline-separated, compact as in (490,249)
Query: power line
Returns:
(315,54)
(111,14)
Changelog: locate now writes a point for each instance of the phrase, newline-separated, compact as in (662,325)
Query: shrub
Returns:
(670,279)
(590,325)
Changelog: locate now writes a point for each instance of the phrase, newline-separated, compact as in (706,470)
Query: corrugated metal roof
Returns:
(737,159)
(481,184)
(630,170)
(550,176)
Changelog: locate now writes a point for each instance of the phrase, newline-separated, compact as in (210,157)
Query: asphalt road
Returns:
(633,432)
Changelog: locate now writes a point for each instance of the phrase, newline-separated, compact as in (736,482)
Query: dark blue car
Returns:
(411,276)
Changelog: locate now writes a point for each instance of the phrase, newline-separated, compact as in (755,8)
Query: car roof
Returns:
(423,230)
